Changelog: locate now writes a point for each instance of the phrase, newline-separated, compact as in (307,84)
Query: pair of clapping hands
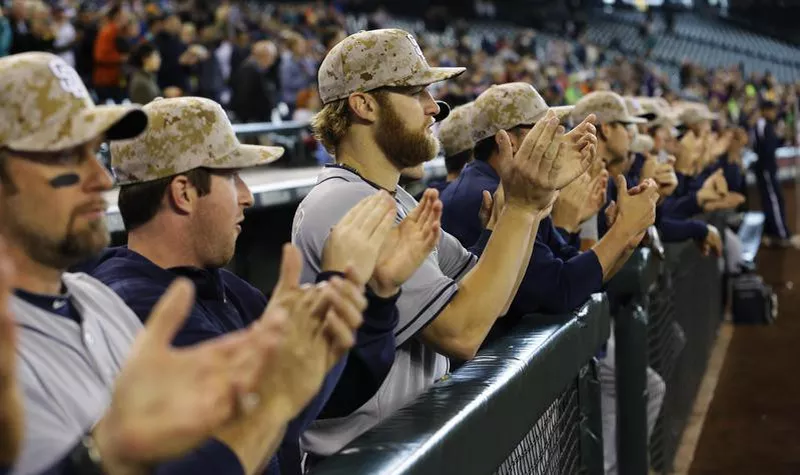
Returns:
(714,195)
(166,400)
(547,161)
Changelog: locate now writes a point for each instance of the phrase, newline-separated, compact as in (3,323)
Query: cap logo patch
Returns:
(416,47)
(68,79)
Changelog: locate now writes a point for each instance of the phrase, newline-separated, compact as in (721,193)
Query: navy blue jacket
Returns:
(463,198)
(226,303)
(733,172)
(558,278)
(670,221)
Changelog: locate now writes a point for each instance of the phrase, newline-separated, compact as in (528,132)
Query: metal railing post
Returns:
(629,293)
(591,419)
(630,332)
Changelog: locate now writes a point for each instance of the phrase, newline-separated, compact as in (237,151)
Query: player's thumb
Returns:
(611,210)
(504,145)
(622,187)
(169,313)
(291,267)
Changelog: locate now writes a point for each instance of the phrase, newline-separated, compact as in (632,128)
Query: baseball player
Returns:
(613,147)
(376,122)
(101,393)
(455,135)
(182,200)
(558,278)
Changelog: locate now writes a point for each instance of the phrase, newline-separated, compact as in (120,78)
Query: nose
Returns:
(243,191)
(431,107)
(99,177)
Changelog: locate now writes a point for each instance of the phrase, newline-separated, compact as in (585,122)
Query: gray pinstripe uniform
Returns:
(67,370)
(428,291)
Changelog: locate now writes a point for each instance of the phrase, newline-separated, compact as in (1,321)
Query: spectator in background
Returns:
(143,86)
(86,30)
(42,32)
(210,82)
(297,69)
(20,29)
(188,33)
(240,51)
(331,36)
(767,141)
(256,87)
(65,35)
(5,34)
(108,59)
(172,49)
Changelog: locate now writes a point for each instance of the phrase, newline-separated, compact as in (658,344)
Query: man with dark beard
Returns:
(103,394)
(376,122)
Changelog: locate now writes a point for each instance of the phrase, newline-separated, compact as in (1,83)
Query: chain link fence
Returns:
(552,447)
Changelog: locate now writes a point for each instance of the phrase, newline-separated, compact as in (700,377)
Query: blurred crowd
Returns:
(259,60)
(249,58)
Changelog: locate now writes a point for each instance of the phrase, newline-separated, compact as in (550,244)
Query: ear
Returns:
(516,137)
(182,195)
(605,131)
(364,106)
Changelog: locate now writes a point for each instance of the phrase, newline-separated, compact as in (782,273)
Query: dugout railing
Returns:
(527,404)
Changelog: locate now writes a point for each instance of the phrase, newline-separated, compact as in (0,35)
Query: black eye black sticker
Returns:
(67,179)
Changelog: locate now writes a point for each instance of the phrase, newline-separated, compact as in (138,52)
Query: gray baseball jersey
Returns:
(66,370)
(424,296)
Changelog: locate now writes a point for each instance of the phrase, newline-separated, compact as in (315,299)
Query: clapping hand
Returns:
(408,245)
(547,161)
(635,209)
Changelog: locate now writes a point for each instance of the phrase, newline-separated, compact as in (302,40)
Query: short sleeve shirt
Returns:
(424,295)
(428,290)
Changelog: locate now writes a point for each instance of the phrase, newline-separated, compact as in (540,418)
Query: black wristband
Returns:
(372,296)
(84,459)
(328,275)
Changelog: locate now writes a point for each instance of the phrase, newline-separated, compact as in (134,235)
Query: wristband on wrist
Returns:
(386,300)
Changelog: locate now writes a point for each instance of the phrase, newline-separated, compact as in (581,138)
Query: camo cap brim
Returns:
(45,107)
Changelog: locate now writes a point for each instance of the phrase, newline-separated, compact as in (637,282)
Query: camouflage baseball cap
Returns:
(455,133)
(662,112)
(505,106)
(607,106)
(367,60)
(636,108)
(185,133)
(44,107)
(695,112)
